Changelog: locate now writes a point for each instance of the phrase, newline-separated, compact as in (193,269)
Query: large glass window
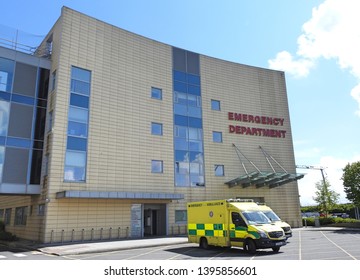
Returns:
(78,122)
(6,74)
(188,140)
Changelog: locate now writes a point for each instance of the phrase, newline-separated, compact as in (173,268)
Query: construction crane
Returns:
(314,167)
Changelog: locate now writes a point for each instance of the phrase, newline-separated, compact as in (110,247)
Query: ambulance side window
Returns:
(237,220)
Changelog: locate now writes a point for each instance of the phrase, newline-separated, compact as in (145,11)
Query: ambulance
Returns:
(232,222)
(276,220)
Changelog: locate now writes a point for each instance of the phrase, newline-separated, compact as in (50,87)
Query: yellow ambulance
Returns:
(232,222)
(275,219)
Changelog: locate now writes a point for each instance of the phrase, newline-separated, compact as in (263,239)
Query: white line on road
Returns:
(339,247)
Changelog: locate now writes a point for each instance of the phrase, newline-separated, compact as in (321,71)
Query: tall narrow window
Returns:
(78,122)
(188,124)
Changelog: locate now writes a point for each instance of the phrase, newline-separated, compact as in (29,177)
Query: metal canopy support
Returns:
(260,178)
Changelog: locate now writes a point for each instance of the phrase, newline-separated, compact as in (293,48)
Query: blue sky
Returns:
(315,42)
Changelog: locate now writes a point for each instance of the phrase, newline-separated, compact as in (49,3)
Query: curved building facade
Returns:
(133,130)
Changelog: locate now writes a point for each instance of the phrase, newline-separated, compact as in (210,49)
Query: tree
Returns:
(351,181)
(326,198)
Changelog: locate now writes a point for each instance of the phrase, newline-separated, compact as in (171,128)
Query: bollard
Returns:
(119,233)
(82,235)
(51,236)
(110,232)
(62,236)
(92,234)
(101,233)
(72,235)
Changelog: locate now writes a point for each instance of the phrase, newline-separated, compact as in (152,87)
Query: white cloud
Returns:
(331,33)
(285,61)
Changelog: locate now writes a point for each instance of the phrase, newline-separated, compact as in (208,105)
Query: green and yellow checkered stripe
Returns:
(207,230)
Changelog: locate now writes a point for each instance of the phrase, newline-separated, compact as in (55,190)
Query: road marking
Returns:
(2,257)
(19,255)
(339,247)
(147,253)
(177,255)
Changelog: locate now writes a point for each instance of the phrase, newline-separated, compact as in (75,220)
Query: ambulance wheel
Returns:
(276,249)
(250,246)
(204,243)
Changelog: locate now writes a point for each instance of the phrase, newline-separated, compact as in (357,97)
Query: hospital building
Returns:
(106,134)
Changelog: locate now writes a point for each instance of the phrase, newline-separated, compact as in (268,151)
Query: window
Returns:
(53,80)
(41,210)
(217,136)
(4,119)
(156,166)
(7,216)
(50,121)
(215,105)
(156,128)
(6,74)
(219,170)
(237,220)
(20,216)
(156,93)
(180,216)
(78,122)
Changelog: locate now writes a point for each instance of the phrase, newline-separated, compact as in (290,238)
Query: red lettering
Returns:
(245,118)
(231,116)
(231,128)
(251,118)
(257,119)
(237,117)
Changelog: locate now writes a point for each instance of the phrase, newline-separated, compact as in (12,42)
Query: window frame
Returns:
(154,128)
(156,93)
(215,135)
(222,174)
(21,214)
(153,170)
(217,103)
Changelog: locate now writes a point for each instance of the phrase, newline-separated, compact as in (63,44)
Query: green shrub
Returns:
(7,236)
(331,221)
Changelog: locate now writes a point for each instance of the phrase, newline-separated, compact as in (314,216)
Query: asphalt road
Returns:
(306,244)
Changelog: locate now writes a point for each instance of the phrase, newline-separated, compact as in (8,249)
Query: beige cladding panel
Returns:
(124,67)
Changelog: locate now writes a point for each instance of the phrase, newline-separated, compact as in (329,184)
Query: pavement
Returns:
(76,248)
(64,249)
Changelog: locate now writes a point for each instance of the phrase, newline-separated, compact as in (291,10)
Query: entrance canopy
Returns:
(260,178)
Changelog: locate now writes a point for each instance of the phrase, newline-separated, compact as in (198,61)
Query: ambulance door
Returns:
(238,229)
